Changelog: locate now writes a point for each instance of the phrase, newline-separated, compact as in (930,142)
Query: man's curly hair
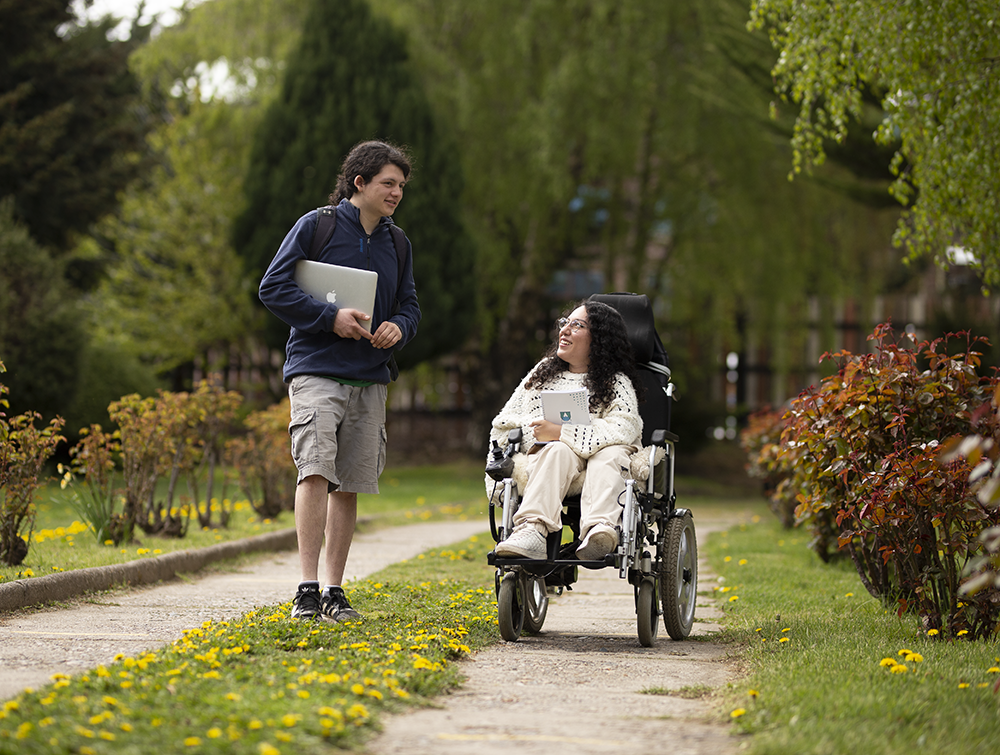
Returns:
(610,353)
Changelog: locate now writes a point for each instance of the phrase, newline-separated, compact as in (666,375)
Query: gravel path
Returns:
(575,688)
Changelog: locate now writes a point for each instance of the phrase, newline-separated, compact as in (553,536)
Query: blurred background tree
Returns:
(72,136)
(937,69)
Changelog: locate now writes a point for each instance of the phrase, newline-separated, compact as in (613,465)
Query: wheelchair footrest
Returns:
(493,559)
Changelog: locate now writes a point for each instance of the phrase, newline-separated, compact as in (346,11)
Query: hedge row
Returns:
(891,461)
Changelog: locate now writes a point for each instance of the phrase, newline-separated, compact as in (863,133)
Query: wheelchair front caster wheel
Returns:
(511,607)
(646,613)
(536,604)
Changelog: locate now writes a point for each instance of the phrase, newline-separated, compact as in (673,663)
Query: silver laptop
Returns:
(344,286)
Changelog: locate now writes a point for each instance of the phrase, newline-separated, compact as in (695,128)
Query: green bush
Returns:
(24,449)
(862,455)
(761,441)
(262,459)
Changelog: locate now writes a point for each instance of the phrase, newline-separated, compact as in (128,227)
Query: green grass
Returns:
(812,642)
(408,494)
(265,683)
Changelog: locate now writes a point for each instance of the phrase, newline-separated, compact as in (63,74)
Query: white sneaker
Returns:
(598,543)
(525,541)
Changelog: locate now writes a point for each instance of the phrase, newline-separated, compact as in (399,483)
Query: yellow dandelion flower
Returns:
(734,598)
(887,662)
(914,658)
(289,720)
(963,632)
(904,651)
(932,633)
(357,711)
(963,685)
(742,562)
(192,741)
(255,724)
(737,713)
(784,639)
(899,668)
(993,670)
(266,748)
(727,559)
(753,693)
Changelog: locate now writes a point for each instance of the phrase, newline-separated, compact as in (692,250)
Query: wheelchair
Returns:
(657,551)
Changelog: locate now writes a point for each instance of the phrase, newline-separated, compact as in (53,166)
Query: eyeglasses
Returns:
(574,325)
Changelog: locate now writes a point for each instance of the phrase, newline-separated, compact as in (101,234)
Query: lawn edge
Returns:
(66,585)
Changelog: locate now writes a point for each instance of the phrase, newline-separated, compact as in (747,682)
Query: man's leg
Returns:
(341,518)
(310,523)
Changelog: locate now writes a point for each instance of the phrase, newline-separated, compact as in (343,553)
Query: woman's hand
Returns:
(545,431)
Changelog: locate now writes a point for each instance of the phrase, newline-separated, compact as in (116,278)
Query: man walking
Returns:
(337,371)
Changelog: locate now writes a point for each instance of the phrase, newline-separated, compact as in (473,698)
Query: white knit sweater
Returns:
(618,423)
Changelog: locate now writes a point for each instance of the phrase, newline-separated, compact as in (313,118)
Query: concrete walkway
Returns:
(35,644)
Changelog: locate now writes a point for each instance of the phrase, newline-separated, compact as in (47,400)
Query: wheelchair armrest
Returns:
(661,436)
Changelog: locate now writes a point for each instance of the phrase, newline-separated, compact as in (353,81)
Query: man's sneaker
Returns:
(335,606)
(306,603)
(525,541)
(598,543)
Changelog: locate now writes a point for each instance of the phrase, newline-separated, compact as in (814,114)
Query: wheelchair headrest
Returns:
(638,315)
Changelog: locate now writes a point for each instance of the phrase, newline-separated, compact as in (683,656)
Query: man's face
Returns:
(380,196)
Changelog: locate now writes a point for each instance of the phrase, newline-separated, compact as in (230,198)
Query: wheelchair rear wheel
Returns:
(536,604)
(679,576)
(647,620)
(511,607)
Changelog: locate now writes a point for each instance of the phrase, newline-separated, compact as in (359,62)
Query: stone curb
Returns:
(72,584)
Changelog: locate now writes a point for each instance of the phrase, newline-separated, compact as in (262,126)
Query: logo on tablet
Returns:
(565,416)
(331,297)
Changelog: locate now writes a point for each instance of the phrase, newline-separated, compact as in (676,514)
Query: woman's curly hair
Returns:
(610,353)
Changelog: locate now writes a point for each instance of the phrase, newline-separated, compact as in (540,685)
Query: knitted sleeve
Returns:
(521,408)
(617,424)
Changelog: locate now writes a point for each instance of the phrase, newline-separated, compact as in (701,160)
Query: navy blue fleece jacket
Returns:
(313,348)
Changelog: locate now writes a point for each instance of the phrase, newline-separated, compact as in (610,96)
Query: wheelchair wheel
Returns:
(510,607)
(536,604)
(679,576)
(646,614)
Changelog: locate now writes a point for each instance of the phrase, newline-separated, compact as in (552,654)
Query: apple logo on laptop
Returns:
(332,297)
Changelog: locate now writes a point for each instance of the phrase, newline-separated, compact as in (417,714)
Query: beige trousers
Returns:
(551,472)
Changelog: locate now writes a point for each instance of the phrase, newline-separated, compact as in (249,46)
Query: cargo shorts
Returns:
(338,432)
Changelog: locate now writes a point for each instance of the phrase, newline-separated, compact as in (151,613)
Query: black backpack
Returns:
(326,223)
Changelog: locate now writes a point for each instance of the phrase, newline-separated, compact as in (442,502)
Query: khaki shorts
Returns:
(338,432)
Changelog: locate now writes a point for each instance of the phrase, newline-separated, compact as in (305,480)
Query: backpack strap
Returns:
(326,223)
(399,241)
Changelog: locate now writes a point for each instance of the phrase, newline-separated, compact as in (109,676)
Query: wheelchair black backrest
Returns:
(650,356)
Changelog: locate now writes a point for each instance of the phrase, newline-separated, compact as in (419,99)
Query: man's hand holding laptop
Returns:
(348,325)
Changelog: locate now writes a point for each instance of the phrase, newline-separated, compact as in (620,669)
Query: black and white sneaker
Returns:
(307,602)
(335,606)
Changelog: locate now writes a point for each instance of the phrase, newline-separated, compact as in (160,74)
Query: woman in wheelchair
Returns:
(591,351)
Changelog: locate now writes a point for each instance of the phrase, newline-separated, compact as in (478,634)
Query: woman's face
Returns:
(574,341)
